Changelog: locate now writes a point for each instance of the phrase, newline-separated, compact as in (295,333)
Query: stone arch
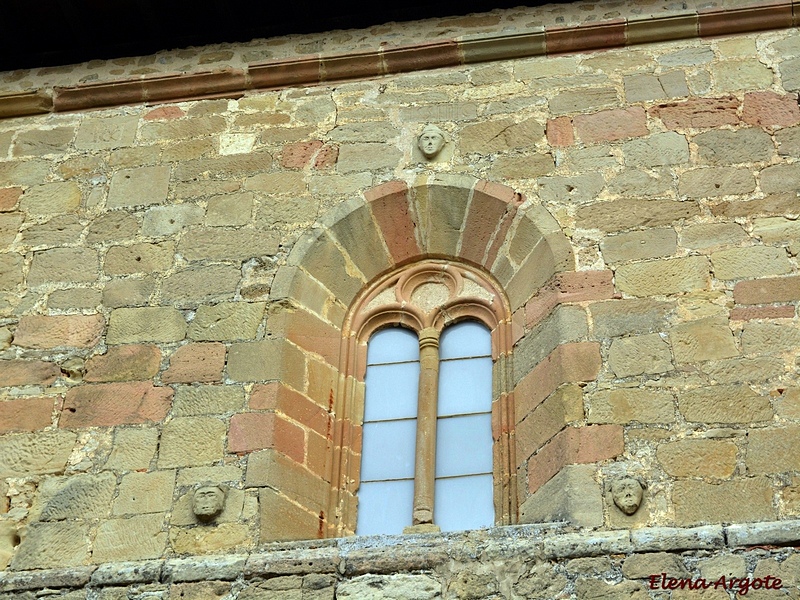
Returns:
(480,224)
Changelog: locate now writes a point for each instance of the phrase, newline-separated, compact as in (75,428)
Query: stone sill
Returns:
(358,555)
(386,60)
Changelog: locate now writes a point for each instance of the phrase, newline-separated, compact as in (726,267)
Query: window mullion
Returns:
(424,473)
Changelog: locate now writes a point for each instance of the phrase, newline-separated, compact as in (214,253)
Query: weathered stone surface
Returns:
(194,363)
(59,230)
(577,189)
(267,360)
(141,493)
(227,321)
(523,166)
(624,317)
(775,204)
(79,331)
(124,363)
(282,519)
(756,261)
(633,183)
(611,125)
(724,404)
(10,271)
(668,148)
(217,244)
(780,178)
(106,133)
(669,276)
(583,100)
(147,324)
(41,142)
(698,458)
(80,496)
(716,181)
(767,338)
(27,372)
(723,147)
(197,540)
(48,545)
(394,587)
(641,566)
(367,157)
(58,265)
(760,368)
(114,226)
(9,227)
(712,235)
(572,495)
(191,441)
(134,538)
(76,298)
(732,75)
(35,453)
(636,245)
(771,450)
(107,404)
(136,187)
(618,215)
(698,113)
(128,292)
(167,220)
(177,129)
(139,258)
(25,414)
(738,500)
(702,339)
(133,449)
(230,209)
(627,405)
(189,287)
(639,354)
(207,400)
(500,135)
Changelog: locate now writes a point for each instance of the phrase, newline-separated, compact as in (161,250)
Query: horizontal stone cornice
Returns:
(386,60)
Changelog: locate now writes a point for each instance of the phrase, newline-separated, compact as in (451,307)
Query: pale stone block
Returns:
(202,540)
(107,133)
(712,235)
(668,148)
(51,198)
(769,338)
(738,500)
(388,587)
(79,265)
(229,209)
(133,449)
(146,324)
(698,458)
(669,276)
(703,339)
(26,454)
(141,493)
(641,566)
(773,450)
(733,75)
(134,538)
(572,495)
(168,220)
(53,545)
(639,354)
(191,441)
(724,404)
(636,245)
(236,143)
(81,496)
(207,400)
(627,405)
(745,263)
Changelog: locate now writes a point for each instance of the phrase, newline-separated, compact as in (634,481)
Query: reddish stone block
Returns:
(559,132)
(27,372)
(573,286)
(9,197)
(768,109)
(109,404)
(762,312)
(326,157)
(299,154)
(314,335)
(500,237)
(727,21)
(25,414)
(484,216)
(198,362)
(609,34)
(277,397)
(574,445)
(577,361)
(767,291)
(132,362)
(390,210)
(610,125)
(698,113)
(444,53)
(164,113)
(79,331)
(257,431)
(318,454)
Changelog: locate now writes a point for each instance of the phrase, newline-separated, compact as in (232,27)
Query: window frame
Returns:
(424,297)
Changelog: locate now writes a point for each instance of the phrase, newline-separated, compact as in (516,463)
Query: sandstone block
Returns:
(723,147)
(523,166)
(189,287)
(124,363)
(732,75)
(641,566)
(136,187)
(58,265)
(724,404)
(640,184)
(227,321)
(76,298)
(756,261)
(108,404)
(9,197)
(332,185)
(595,589)
(80,331)
(27,372)
(776,204)
(257,431)
(59,230)
(168,220)
(9,227)
(282,519)
(702,339)
(639,354)
(133,449)
(776,229)
(625,317)
(41,142)
(572,189)
(225,536)
(667,276)
(141,493)
(500,135)
(617,215)
(267,360)
(196,363)
(216,244)
(772,450)
(139,258)
(788,141)
(177,129)
(698,458)
(10,271)
(280,183)
(25,414)
(767,290)
(712,235)
(739,500)
(780,178)
(276,397)
(127,292)
(191,441)
(769,338)
(668,148)
(26,454)
(698,113)
(27,173)
(271,468)
(231,167)
(107,133)
(375,131)
(81,496)
(53,545)
(559,132)
(610,125)
(147,324)
(207,400)
(582,100)
(572,495)
(135,538)
(230,210)
(367,157)
(51,198)
(627,405)
(114,226)
(564,324)
(716,181)
(636,245)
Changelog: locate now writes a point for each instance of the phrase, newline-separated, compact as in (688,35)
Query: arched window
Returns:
(424,345)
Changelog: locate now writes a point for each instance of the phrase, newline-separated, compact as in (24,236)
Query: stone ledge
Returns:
(356,555)
(320,69)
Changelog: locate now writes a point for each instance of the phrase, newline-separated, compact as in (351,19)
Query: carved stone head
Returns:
(431,141)
(627,494)
(208,502)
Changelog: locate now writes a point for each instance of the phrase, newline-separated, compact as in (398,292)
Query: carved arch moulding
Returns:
(426,252)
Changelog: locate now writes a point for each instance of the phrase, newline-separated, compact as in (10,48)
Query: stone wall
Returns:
(175,281)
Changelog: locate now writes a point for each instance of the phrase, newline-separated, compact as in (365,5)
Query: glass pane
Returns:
(388,450)
(394,344)
(468,338)
(464,503)
(392,391)
(464,445)
(384,506)
(465,386)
